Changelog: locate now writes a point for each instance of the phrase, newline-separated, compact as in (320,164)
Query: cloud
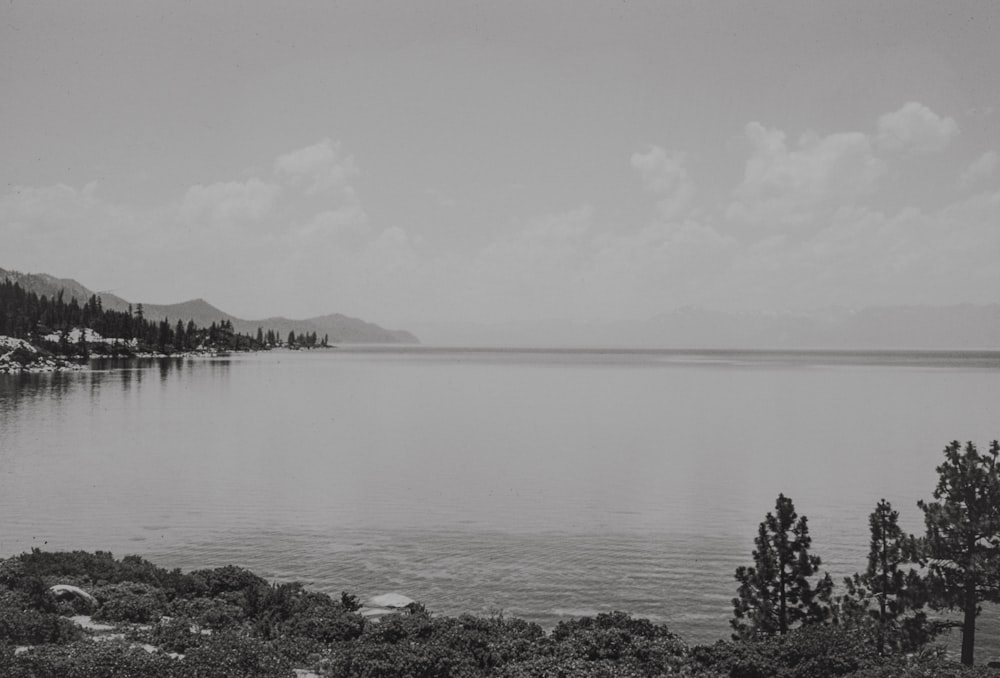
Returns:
(547,241)
(795,231)
(36,210)
(787,185)
(320,167)
(915,128)
(664,173)
(345,223)
(863,257)
(982,168)
(230,200)
(73,231)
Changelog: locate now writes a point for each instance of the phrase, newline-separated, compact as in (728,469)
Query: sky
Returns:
(492,162)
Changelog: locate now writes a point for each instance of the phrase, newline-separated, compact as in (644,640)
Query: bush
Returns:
(130,602)
(234,656)
(358,659)
(923,667)
(647,648)
(174,635)
(289,609)
(805,652)
(31,627)
(87,659)
(211,613)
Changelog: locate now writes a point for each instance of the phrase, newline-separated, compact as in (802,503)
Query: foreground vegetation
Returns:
(787,621)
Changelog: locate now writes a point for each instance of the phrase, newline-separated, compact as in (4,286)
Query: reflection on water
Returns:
(546,483)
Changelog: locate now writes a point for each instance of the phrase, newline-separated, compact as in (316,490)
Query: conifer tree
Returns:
(963,535)
(886,598)
(775,593)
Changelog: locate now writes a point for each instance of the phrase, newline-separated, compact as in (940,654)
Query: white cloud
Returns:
(346,223)
(320,167)
(863,257)
(915,128)
(230,200)
(664,173)
(547,242)
(789,186)
(982,168)
(73,232)
(822,244)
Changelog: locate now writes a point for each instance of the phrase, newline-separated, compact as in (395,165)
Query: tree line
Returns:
(32,317)
(954,565)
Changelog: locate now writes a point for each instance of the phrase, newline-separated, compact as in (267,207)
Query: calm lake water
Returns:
(546,484)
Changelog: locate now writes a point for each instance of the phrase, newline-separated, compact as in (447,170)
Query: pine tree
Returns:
(775,593)
(962,545)
(886,598)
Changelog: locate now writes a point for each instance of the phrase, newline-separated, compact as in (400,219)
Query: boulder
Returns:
(66,591)
(390,600)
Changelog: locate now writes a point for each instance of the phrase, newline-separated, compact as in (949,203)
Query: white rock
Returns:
(390,600)
(62,590)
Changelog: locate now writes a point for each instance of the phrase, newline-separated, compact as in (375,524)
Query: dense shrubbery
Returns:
(87,659)
(261,630)
(32,627)
(805,652)
(130,602)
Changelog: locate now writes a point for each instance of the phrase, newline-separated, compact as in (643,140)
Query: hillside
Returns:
(340,328)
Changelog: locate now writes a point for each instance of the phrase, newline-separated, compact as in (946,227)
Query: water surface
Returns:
(544,483)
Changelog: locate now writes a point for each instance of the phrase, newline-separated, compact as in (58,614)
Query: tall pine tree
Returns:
(775,593)
(963,535)
(887,599)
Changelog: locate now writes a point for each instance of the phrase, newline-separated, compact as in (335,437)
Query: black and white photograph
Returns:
(510,339)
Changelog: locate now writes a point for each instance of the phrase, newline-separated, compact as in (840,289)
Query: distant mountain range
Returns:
(340,328)
(958,327)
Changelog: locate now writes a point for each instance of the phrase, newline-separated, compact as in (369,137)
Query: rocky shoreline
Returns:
(42,366)
(18,356)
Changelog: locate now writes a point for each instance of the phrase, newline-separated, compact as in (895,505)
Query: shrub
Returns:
(31,627)
(87,659)
(174,635)
(805,652)
(289,609)
(358,659)
(647,648)
(212,613)
(234,656)
(130,602)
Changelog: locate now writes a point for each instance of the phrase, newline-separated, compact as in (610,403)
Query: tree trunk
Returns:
(783,605)
(882,593)
(969,625)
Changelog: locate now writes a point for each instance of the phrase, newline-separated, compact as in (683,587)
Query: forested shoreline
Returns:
(789,619)
(71,330)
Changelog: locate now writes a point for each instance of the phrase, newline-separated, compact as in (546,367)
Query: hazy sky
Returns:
(502,160)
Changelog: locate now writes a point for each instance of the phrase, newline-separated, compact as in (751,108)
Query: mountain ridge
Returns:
(961,326)
(340,328)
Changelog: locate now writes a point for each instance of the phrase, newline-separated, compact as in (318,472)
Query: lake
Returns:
(546,484)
